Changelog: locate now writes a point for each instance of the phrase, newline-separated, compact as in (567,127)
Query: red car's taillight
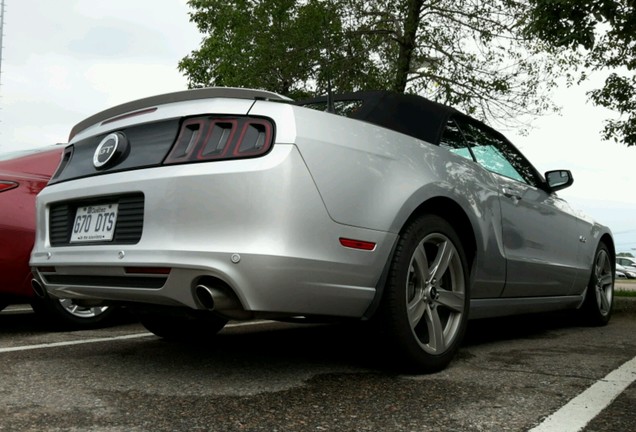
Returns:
(7,185)
(220,138)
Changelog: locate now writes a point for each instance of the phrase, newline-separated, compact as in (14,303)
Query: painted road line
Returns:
(107,339)
(13,309)
(75,342)
(577,413)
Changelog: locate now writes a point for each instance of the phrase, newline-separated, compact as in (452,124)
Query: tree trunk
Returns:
(407,44)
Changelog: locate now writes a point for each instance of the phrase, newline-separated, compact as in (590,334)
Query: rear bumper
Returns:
(257,225)
(284,285)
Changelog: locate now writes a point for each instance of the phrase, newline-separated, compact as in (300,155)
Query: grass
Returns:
(624,293)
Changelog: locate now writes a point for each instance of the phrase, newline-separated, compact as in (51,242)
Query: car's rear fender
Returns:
(376,178)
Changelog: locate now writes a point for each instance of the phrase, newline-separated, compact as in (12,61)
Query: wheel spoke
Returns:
(602,262)
(416,310)
(421,265)
(452,300)
(605,280)
(601,298)
(416,304)
(445,254)
(435,330)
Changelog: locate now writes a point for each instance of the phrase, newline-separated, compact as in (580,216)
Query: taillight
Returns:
(220,138)
(7,185)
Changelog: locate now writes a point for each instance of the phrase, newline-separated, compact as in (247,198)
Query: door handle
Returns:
(511,193)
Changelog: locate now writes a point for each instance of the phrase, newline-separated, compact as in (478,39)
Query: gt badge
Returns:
(110,149)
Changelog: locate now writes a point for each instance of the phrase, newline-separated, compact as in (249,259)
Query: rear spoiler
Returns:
(148,104)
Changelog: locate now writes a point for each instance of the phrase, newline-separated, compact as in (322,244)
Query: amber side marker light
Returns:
(357,244)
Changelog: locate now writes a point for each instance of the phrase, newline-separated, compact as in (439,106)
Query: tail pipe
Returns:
(38,289)
(215,299)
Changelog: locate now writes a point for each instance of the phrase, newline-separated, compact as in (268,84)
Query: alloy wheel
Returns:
(81,312)
(604,282)
(435,290)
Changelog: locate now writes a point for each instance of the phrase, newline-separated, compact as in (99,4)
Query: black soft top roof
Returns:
(406,113)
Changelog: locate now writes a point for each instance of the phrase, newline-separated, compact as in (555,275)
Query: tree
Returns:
(471,54)
(603,32)
(292,48)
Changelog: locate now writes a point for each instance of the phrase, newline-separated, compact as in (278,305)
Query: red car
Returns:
(22,175)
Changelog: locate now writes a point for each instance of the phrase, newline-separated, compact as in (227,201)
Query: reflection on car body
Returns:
(240,204)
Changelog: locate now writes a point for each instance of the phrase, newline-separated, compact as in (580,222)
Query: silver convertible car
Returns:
(201,206)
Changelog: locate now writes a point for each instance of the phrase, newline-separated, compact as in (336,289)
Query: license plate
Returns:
(94,223)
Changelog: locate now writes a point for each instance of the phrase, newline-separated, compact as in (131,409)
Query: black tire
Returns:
(69,314)
(182,327)
(424,309)
(599,297)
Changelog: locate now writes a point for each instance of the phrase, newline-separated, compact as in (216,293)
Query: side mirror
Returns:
(558,179)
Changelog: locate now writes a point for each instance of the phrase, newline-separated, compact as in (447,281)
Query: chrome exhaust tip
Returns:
(215,299)
(205,296)
(38,289)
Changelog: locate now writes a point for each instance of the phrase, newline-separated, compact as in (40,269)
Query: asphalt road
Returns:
(510,374)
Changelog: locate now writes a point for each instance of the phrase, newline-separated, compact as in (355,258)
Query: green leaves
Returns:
(285,46)
(602,33)
(474,54)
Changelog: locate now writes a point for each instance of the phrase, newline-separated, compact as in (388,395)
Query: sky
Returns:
(604,171)
(65,60)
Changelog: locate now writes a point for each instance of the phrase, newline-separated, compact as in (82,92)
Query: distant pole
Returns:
(1,44)
(1,41)
(1,36)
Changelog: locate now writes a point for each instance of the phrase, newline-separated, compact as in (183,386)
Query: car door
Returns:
(540,232)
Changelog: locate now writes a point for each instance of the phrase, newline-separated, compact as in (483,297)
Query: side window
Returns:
(453,140)
(494,153)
